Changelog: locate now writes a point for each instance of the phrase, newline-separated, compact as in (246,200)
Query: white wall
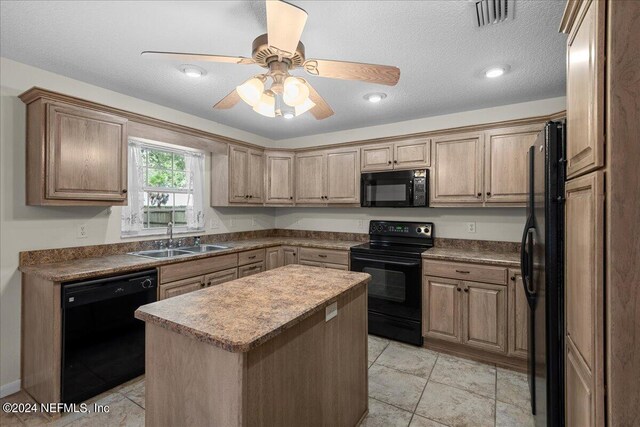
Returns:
(467,118)
(504,224)
(32,227)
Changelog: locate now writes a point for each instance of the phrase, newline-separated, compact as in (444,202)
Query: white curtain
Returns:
(133,213)
(194,163)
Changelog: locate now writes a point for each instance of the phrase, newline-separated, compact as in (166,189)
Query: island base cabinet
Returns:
(312,374)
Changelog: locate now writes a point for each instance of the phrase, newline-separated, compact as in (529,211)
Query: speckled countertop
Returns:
(479,256)
(244,313)
(84,268)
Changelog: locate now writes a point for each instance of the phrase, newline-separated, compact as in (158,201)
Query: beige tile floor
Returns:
(408,386)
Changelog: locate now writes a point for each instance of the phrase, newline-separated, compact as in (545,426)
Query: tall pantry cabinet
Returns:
(602,207)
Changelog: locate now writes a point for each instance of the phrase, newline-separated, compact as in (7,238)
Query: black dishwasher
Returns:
(102,341)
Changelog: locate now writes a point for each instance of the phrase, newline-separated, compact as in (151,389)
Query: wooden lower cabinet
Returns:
(179,287)
(518,325)
(220,277)
(441,308)
(289,255)
(326,258)
(484,316)
(248,270)
(274,257)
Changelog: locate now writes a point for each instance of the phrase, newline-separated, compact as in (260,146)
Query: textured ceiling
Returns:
(436,44)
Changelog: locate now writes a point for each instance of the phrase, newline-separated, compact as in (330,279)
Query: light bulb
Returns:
(494,72)
(304,107)
(251,91)
(267,104)
(375,97)
(296,91)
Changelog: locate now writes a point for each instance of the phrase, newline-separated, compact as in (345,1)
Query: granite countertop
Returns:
(84,268)
(242,314)
(479,256)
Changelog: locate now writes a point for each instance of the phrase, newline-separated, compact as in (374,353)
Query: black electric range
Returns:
(393,257)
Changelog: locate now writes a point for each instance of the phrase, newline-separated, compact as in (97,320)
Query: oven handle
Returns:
(403,263)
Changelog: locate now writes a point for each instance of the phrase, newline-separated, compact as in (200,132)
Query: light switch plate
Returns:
(331,311)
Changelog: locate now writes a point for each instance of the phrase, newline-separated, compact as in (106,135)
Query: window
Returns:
(165,185)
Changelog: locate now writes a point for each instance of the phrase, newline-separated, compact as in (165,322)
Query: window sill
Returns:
(161,232)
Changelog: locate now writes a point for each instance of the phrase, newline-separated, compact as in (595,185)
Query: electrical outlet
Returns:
(330,311)
(81,232)
(471,227)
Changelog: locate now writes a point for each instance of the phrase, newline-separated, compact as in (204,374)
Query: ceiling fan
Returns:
(280,51)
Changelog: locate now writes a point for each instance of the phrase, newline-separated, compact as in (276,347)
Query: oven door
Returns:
(395,287)
(387,189)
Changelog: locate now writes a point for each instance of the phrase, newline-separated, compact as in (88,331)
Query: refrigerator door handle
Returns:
(523,250)
(528,283)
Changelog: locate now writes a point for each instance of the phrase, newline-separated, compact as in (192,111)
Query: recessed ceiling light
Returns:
(288,115)
(494,72)
(193,71)
(375,97)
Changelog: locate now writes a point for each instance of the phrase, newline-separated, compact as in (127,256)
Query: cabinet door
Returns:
(86,154)
(274,257)
(289,255)
(441,308)
(518,316)
(484,316)
(585,90)
(219,277)
(343,176)
(255,177)
(179,287)
(248,270)
(238,172)
(279,178)
(377,157)
(310,177)
(505,165)
(584,289)
(457,169)
(412,154)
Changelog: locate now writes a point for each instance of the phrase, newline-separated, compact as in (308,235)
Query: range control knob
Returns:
(418,230)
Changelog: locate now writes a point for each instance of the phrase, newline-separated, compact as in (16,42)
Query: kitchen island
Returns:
(286,347)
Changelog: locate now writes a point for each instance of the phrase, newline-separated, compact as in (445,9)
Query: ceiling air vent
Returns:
(493,11)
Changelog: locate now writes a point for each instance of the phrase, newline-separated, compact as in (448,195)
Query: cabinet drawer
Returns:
(179,287)
(324,256)
(248,270)
(220,277)
(250,256)
(473,272)
(182,270)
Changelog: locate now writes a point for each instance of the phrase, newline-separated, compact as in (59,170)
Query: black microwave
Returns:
(395,189)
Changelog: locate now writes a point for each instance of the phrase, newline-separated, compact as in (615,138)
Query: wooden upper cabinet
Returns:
(441,308)
(330,176)
(484,316)
(505,164)
(246,175)
(585,89)
(412,154)
(407,154)
(584,297)
(343,176)
(75,155)
(377,157)
(310,178)
(280,178)
(456,176)
(518,316)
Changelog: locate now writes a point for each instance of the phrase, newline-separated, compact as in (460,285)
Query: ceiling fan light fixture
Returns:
(267,104)
(307,105)
(251,91)
(376,97)
(295,92)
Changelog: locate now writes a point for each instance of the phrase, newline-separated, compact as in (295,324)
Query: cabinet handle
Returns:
(466,289)
(251,197)
(395,161)
(290,197)
(513,278)
(479,194)
(463,271)
(124,191)
(458,289)
(389,161)
(488,193)
(322,255)
(252,257)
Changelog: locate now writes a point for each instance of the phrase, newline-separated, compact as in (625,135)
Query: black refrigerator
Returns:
(542,264)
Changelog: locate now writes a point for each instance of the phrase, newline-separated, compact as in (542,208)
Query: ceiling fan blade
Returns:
(285,23)
(228,101)
(322,109)
(188,57)
(372,73)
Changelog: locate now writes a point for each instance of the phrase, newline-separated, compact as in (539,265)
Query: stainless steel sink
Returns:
(162,253)
(204,248)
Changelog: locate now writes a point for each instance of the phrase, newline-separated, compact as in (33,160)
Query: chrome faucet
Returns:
(170,233)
